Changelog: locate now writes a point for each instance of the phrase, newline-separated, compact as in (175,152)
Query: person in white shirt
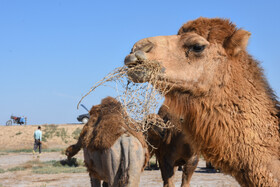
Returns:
(37,140)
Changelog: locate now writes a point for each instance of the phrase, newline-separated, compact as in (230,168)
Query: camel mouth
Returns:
(134,64)
(152,72)
(143,71)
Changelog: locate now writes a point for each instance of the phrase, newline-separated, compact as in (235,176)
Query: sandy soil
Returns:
(20,137)
(201,178)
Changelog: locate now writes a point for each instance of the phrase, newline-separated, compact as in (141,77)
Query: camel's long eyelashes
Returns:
(197,48)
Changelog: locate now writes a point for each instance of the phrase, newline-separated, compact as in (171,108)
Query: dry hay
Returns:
(139,100)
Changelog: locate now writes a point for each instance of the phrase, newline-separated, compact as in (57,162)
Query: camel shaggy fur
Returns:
(112,151)
(172,149)
(219,91)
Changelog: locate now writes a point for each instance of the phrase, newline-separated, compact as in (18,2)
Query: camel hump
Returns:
(106,124)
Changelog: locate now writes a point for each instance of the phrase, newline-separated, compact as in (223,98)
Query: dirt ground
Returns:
(201,178)
(21,137)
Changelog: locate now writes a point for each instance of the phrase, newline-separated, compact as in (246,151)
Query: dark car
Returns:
(83,117)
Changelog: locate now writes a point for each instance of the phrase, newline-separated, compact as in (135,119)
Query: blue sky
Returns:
(53,51)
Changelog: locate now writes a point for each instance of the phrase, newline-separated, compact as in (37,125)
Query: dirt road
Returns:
(201,177)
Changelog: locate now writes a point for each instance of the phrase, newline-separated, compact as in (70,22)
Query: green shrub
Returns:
(63,134)
(48,132)
(52,150)
(18,168)
(19,151)
(76,133)
(62,166)
(2,170)
(73,162)
(19,133)
(52,130)
(56,170)
(51,167)
(30,150)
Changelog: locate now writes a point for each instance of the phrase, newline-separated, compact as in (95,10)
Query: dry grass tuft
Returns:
(138,99)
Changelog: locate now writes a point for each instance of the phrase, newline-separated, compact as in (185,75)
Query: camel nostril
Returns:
(129,59)
(140,55)
(147,48)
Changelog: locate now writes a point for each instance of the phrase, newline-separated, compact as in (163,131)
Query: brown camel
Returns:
(171,149)
(113,152)
(219,91)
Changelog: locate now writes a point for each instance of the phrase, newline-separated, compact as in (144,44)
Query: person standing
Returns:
(37,140)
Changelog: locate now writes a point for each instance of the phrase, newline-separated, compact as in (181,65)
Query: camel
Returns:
(219,92)
(113,153)
(171,149)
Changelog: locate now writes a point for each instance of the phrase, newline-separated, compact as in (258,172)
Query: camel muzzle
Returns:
(135,58)
(137,72)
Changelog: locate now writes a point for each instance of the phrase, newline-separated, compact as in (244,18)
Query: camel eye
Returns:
(197,48)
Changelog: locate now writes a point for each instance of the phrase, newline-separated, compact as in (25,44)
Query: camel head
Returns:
(195,61)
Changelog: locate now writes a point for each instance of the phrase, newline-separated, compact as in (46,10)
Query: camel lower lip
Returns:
(141,72)
(138,76)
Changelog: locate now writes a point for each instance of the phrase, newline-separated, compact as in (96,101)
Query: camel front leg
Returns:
(95,182)
(105,184)
(167,172)
(188,170)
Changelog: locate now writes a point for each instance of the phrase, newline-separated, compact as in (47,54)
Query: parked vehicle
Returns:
(16,120)
(209,165)
(83,117)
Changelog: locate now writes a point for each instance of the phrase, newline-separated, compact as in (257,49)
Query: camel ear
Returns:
(237,42)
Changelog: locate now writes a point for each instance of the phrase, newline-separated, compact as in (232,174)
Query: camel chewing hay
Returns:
(138,100)
(221,96)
